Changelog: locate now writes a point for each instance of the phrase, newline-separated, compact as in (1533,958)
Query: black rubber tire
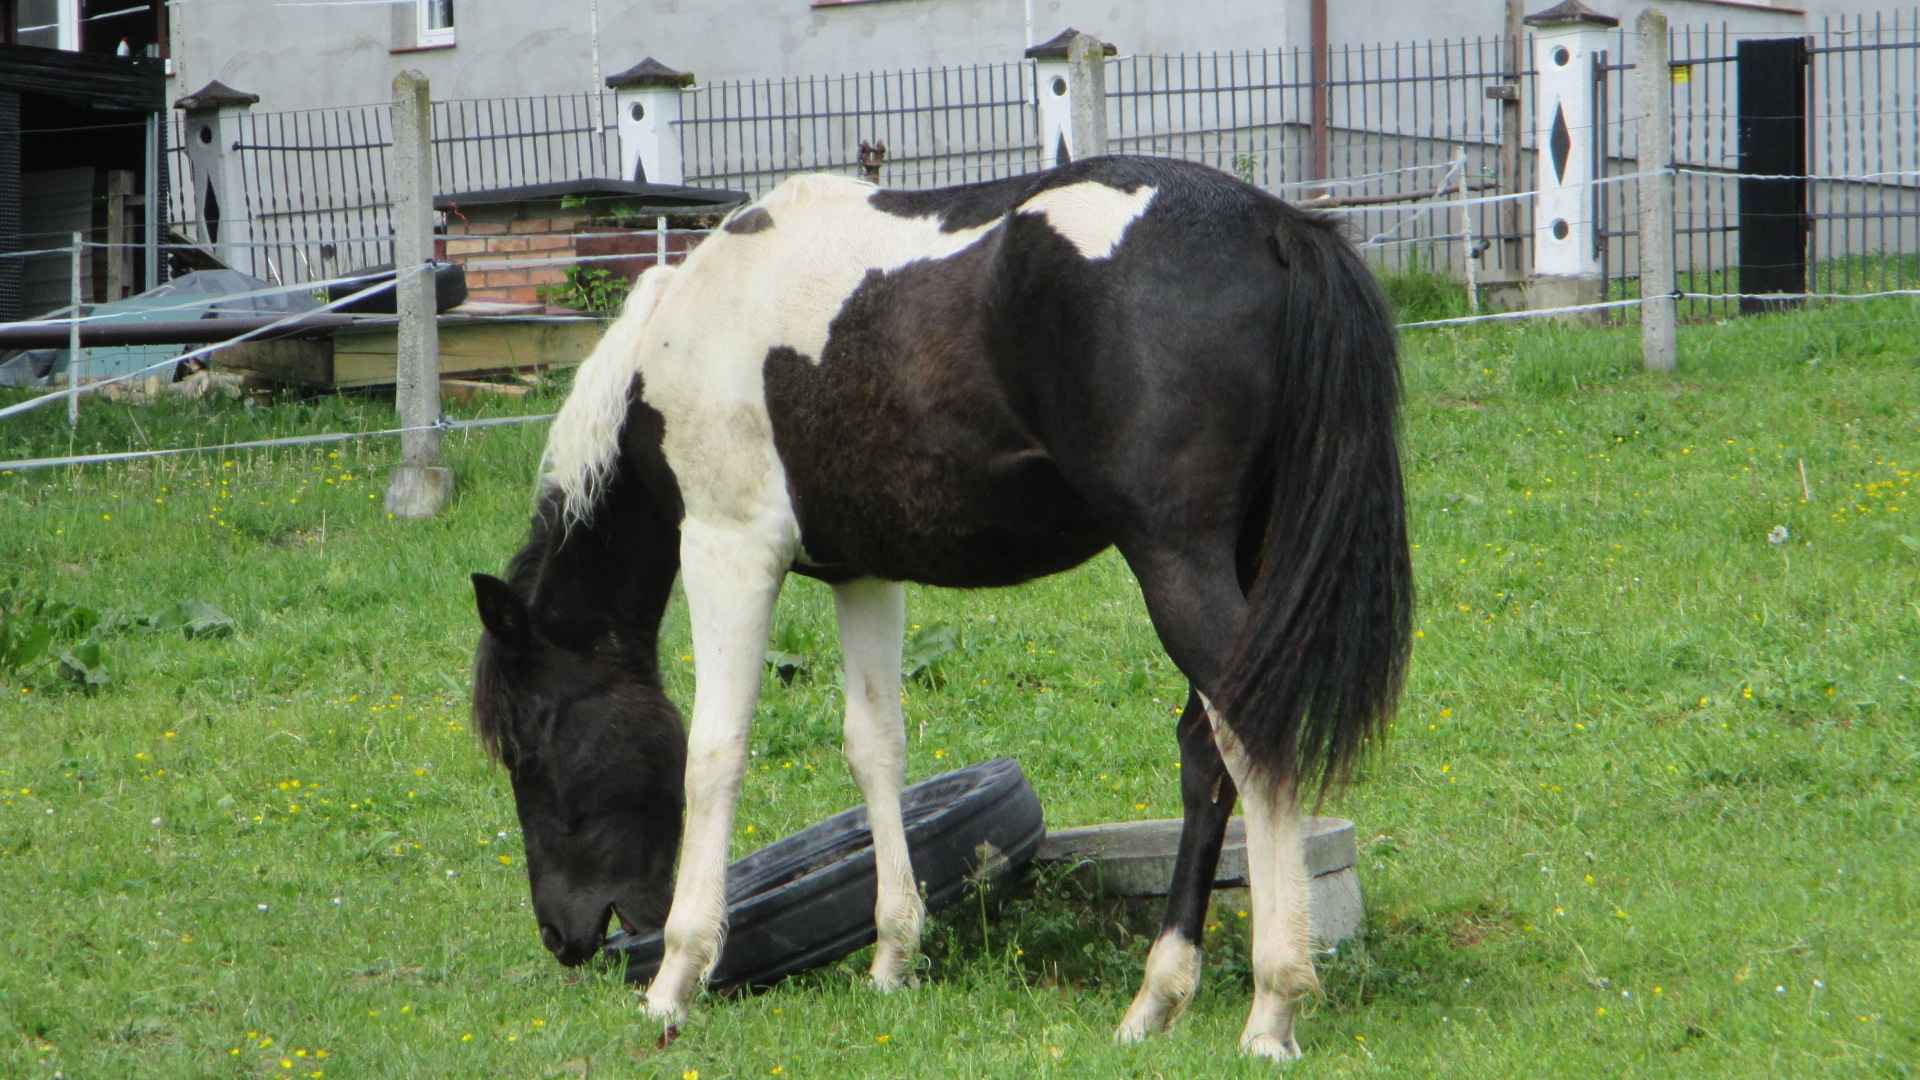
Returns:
(449,291)
(808,900)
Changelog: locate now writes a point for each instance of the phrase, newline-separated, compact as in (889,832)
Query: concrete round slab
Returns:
(1135,858)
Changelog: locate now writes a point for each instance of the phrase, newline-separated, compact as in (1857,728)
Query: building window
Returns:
(48,24)
(435,25)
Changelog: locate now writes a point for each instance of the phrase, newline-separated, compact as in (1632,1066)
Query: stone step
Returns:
(1135,858)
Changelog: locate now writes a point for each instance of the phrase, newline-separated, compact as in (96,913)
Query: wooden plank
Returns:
(118,255)
(367,358)
(287,361)
(98,81)
(468,390)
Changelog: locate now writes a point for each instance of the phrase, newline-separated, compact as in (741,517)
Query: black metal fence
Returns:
(1398,123)
(1375,125)
(1862,157)
(315,181)
(940,126)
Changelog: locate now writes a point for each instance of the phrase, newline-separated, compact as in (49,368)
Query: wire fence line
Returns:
(445,424)
(76,389)
(1388,114)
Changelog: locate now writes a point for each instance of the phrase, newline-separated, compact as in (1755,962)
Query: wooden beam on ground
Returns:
(467,390)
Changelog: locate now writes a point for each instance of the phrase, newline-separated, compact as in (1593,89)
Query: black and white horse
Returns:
(967,387)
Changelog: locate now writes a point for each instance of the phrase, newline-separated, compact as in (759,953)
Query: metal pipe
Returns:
(73,337)
(1317,69)
(80,335)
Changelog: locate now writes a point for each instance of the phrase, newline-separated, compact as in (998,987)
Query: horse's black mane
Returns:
(490,724)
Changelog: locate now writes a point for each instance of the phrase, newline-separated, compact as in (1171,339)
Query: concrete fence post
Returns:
(646,99)
(1070,73)
(73,331)
(215,116)
(1653,73)
(420,485)
(1566,258)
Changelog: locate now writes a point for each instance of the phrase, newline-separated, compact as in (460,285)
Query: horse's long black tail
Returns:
(1317,666)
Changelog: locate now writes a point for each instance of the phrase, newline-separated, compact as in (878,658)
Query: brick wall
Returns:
(541,232)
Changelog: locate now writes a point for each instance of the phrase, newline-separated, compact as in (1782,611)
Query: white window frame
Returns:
(426,35)
(67,25)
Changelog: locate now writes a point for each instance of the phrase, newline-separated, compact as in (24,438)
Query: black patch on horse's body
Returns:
(922,446)
(749,221)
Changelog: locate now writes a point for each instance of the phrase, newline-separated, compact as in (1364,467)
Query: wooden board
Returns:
(467,347)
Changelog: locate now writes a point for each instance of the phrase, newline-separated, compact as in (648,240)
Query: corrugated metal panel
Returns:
(162,204)
(10,269)
(54,205)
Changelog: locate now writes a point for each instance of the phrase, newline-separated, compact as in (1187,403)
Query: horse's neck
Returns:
(603,584)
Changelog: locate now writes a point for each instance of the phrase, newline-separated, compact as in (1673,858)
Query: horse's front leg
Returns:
(872,622)
(731,579)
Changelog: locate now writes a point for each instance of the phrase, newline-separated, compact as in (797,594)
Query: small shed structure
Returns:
(543,225)
(80,151)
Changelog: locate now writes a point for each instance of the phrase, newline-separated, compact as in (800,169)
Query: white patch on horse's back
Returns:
(1091,216)
(584,441)
(738,297)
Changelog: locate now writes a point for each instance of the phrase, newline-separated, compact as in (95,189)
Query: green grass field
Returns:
(1649,808)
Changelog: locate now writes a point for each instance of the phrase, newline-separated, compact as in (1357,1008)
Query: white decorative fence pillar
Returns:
(1071,73)
(647,98)
(213,131)
(1566,258)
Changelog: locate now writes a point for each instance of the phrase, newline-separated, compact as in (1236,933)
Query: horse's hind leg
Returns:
(1193,596)
(872,622)
(1277,879)
(1195,599)
(731,580)
(1173,967)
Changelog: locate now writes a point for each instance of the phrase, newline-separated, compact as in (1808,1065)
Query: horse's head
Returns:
(596,753)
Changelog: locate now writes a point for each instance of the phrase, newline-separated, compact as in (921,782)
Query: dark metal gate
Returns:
(1771,80)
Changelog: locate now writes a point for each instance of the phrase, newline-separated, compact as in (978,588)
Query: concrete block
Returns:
(1556,292)
(1135,858)
(419,491)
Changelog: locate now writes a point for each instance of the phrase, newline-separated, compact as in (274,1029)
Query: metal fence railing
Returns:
(1371,124)
(1397,120)
(940,126)
(315,181)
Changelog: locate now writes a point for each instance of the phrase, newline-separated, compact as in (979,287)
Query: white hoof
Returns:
(668,1012)
(1271,1046)
(892,969)
(667,998)
(1172,976)
(1149,1014)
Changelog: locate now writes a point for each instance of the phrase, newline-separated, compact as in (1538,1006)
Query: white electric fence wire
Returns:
(1833,178)
(206,350)
(1533,313)
(27,464)
(1446,181)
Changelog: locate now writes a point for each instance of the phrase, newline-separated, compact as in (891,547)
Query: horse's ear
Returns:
(502,612)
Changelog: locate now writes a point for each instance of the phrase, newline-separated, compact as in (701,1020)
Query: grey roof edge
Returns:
(649,72)
(215,94)
(1055,47)
(1570,11)
(691,198)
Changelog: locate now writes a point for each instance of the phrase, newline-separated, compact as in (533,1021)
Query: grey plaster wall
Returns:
(308,57)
